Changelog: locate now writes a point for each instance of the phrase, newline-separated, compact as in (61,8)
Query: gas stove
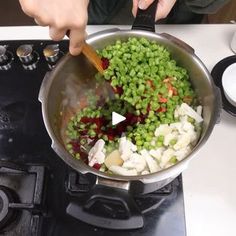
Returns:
(39,193)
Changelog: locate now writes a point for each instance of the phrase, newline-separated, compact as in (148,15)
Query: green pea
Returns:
(160,138)
(69,146)
(173,160)
(159,144)
(173,142)
(139,143)
(191,120)
(83,141)
(77,156)
(148,138)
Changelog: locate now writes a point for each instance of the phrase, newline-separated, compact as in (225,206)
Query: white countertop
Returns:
(209,181)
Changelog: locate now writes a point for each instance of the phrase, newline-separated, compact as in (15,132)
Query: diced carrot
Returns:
(162,100)
(174,91)
(171,88)
(161,109)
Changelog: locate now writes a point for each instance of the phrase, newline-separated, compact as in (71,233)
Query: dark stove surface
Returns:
(36,186)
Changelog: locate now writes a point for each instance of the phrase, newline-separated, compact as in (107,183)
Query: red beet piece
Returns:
(105,63)
(96,166)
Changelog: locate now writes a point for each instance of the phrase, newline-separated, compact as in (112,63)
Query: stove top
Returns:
(39,193)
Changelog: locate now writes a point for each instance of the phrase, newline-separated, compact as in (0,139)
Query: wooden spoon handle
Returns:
(92,56)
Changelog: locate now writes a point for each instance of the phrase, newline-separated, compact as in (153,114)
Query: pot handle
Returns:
(107,207)
(145,19)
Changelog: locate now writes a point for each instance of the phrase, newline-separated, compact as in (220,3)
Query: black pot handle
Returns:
(145,19)
(107,207)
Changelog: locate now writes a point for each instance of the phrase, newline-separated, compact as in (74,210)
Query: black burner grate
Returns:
(21,194)
(7,214)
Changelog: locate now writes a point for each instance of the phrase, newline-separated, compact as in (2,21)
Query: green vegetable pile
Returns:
(142,74)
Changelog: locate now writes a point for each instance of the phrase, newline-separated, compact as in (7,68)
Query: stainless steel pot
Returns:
(70,67)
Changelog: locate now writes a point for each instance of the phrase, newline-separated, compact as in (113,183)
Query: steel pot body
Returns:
(71,67)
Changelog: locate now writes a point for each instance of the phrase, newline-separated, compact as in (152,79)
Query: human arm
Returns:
(61,16)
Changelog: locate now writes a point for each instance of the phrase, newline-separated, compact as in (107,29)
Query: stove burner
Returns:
(7,214)
(21,199)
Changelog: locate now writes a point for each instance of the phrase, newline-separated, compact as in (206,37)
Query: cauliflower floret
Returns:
(176,126)
(182,153)
(183,141)
(97,153)
(193,136)
(176,112)
(163,129)
(126,148)
(122,171)
(135,161)
(157,153)
(167,154)
(187,126)
(170,137)
(183,119)
(151,163)
(185,109)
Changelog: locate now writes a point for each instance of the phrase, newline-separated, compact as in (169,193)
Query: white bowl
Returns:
(229,83)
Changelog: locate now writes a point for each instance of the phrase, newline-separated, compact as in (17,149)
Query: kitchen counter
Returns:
(209,187)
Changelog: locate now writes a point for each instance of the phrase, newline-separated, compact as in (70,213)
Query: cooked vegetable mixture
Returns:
(163,116)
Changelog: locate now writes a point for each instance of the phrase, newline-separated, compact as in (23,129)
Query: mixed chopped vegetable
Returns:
(163,116)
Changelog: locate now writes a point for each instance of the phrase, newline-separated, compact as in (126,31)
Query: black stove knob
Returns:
(51,53)
(6,58)
(25,53)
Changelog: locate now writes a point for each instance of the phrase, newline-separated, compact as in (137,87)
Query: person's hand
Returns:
(61,16)
(163,7)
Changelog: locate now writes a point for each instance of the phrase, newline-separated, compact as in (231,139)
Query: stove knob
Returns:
(3,56)
(25,53)
(28,56)
(51,53)
(6,58)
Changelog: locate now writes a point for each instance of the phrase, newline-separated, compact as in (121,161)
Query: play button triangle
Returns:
(117,118)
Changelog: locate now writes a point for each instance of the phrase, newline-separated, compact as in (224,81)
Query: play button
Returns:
(117,118)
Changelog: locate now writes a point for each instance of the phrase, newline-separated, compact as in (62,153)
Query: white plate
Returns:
(229,83)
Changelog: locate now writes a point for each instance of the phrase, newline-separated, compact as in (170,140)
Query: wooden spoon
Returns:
(92,56)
